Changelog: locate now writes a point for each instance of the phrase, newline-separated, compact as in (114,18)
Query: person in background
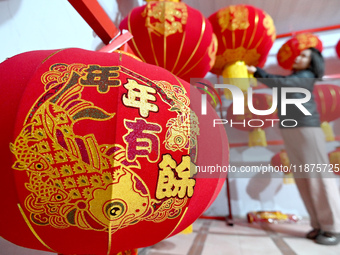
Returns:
(305,145)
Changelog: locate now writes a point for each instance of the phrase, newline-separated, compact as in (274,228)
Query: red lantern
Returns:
(293,47)
(281,161)
(337,49)
(245,35)
(174,36)
(327,97)
(334,160)
(99,152)
(254,124)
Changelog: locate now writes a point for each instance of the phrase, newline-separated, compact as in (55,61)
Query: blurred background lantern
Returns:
(337,49)
(245,35)
(293,47)
(174,36)
(254,124)
(281,161)
(99,152)
(334,159)
(327,97)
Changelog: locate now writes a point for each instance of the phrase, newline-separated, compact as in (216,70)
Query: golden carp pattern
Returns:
(75,181)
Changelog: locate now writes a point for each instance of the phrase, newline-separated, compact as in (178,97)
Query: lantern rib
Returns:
(233,39)
(179,222)
(179,82)
(244,38)
(224,42)
(333,93)
(323,103)
(255,28)
(133,40)
(165,36)
(109,245)
(193,66)
(198,43)
(152,48)
(180,51)
(32,229)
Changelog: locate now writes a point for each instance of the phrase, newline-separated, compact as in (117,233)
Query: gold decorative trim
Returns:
(185,211)
(48,57)
(32,229)
(179,52)
(197,45)
(255,28)
(133,40)
(152,48)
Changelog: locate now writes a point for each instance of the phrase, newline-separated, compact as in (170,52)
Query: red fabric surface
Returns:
(172,35)
(88,153)
(280,160)
(327,97)
(337,49)
(244,33)
(14,77)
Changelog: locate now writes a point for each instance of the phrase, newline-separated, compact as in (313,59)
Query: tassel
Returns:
(328,131)
(257,137)
(188,230)
(128,252)
(252,80)
(288,178)
(236,74)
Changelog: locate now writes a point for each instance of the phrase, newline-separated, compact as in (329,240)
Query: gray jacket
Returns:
(301,79)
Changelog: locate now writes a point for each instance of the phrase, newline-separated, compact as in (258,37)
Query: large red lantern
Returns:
(327,97)
(337,49)
(174,36)
(293,47)
(245,35)
(334,160)
(99,152)
(254,124)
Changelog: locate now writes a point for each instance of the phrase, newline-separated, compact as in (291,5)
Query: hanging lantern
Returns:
(254,124)
(337,49)
(334,160)
(280,159)
(174,36)
(99,152)
(293,47)
(245,35)
(327,97)
(282,162)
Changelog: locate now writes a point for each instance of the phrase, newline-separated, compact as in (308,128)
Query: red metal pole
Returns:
(96,17)
(313,30)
